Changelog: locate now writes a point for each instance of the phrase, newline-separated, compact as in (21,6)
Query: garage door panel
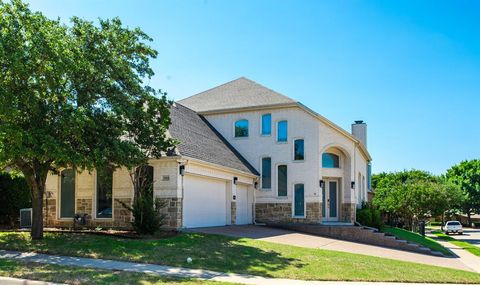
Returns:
(204,202)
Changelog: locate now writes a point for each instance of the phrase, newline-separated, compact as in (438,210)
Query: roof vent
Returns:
(359,122)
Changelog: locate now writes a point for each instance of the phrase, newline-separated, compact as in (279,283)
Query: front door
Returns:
(330,200)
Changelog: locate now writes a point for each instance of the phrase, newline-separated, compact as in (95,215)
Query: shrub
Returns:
(435,223)
(15,195)
(369,216)
(476,224)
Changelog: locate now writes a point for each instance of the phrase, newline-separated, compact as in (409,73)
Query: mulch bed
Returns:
(112,233)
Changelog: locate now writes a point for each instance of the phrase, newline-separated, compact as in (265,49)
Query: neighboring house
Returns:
(246,154)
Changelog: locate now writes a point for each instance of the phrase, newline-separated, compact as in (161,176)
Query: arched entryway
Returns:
(335,179)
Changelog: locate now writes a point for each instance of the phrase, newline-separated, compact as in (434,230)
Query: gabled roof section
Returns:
(199,140)
(236,94)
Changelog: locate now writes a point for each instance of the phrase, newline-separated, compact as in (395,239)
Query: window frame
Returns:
(293,149)
(261,173)
(59,200)
(339,161)
(278,128)
(304,202)
(261,125)
(234,128)
(95,206)
(277,181)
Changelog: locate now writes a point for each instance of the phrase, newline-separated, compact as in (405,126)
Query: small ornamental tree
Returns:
(466,175)
(75,96)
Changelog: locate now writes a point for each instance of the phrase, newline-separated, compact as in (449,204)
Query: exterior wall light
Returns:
(353,184)
(235,179)
(181,170)
(322,183)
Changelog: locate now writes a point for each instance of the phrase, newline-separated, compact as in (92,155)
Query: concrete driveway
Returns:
(310,241)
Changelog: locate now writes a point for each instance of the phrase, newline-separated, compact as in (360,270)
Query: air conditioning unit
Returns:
(26,218)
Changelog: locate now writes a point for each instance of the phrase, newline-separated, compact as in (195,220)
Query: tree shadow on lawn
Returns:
(212,252)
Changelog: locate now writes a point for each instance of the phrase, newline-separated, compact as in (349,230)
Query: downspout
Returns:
(254,201)
(354,177)
(182,162)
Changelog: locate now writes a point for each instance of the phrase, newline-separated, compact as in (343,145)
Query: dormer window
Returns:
(241,128)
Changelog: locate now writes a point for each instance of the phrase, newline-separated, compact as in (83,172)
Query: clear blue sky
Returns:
(410,69)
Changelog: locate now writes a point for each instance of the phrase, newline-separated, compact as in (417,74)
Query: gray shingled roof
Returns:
(199,140)
(239,93)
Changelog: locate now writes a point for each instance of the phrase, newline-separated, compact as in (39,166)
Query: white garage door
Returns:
(244,206)
(204,204)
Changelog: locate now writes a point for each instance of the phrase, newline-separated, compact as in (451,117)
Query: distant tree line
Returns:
(404,198)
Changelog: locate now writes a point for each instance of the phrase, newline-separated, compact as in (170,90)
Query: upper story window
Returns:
(330,160)
(266,173)
(266,124)
(241,128)
(104,193)
(282,131)
(282,183)
(298,150)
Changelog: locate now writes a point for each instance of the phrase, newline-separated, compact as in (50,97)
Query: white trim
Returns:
(293,201)
(327,180)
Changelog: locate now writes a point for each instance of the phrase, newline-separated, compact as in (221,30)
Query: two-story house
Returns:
(247,154)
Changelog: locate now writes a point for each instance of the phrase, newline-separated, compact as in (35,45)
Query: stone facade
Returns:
(282,213)
(233,213)
(348,212)
(172,209)
(122,217)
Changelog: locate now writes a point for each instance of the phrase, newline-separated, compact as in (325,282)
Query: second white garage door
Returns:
(204,204)
(244,206)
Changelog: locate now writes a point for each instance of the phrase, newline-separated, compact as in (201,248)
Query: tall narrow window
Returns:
(330,160)
(266,173)
(241,129)
(104,193)
(299,152)
(299,202)
(282,131)
(282,180)
(266,124)
(67,193)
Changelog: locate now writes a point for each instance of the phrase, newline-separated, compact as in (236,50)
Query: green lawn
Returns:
(246,256)
(414,237)
(463,244)
(79,275)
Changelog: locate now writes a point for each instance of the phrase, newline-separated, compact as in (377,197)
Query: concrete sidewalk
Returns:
(469,259)
(18,281)
(162,270)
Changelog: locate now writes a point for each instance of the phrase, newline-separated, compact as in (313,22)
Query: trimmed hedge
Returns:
(15,195)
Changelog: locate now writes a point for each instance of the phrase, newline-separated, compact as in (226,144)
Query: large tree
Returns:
(410,196)
(75,96)
(467,176)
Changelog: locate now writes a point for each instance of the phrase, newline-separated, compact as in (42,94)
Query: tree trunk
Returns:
(469,219)
(36,176)
(37,211)
(443,221)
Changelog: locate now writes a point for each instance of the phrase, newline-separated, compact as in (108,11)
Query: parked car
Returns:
(453,227)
